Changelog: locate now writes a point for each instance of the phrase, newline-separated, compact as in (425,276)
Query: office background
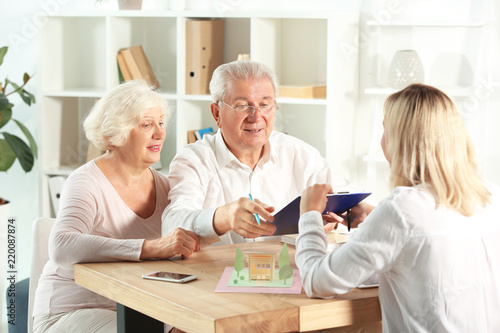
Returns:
(21,21)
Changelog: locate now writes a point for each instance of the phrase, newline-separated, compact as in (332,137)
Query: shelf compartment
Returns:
(158,38)
(63,148)
(192,115)
(74,53)
(296,49)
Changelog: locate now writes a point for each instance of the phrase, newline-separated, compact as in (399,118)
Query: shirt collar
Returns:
(224,156)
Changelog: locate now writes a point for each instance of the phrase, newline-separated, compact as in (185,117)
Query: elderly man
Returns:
(210,180)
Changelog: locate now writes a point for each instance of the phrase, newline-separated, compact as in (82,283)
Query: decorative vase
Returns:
(130,4)
(405,69)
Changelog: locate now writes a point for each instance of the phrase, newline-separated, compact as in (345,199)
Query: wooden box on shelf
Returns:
(317,91)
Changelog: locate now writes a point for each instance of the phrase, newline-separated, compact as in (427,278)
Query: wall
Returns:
(444,52)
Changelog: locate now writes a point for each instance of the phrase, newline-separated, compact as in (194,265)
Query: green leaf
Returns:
(5,116)
(27,97)
(22,151)
(26,78)
(4,101)
(28,135)
(3,52)
(7,156)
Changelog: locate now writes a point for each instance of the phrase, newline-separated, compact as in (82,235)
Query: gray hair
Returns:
(121,110)
(226,74)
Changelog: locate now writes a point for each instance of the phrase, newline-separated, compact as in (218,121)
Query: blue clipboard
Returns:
(287,219)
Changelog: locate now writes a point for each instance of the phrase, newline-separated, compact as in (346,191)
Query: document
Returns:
(287,219)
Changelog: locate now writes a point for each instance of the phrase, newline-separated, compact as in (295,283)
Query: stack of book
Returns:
(134,65)
(198,134)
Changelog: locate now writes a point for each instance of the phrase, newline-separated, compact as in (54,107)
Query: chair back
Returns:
(39,257)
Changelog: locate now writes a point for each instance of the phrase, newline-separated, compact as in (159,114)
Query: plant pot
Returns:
(130,4)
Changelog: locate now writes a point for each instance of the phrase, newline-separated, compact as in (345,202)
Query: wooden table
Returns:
(194,307)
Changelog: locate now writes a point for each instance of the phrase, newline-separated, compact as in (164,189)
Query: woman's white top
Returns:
(439,270)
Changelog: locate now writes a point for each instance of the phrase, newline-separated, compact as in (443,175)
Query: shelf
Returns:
(427,23)
(196,98)
(307,14)
(452,91)
(82,92)
(60,171)
(78,64)
(303,101)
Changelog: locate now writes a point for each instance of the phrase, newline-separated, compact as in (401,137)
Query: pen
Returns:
(348,220)
(256,215)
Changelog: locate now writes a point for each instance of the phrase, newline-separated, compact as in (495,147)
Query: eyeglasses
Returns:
(248,110)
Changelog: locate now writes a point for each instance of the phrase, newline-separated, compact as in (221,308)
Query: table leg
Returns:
(131,321)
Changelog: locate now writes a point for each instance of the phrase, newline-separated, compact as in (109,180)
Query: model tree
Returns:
(238,261)
(286,271)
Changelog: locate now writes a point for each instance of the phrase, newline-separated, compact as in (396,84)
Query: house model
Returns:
(261,265)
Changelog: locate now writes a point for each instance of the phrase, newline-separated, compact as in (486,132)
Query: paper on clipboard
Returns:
(287,219)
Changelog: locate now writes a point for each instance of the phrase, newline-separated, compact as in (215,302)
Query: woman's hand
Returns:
(314,198)
(179,241)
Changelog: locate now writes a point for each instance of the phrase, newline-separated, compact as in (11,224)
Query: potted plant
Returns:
(13,147)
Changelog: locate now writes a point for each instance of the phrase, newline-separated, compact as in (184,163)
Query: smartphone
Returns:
(170,277)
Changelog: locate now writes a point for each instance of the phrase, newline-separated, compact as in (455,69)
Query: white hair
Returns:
(224,76)
(112,118)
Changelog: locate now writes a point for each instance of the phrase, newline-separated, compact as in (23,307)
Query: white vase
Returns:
(405,69)
(130,4)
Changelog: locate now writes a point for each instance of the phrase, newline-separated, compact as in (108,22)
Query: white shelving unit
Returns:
(78,65)
(454,57)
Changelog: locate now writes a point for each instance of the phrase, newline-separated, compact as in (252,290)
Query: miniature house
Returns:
(261,265)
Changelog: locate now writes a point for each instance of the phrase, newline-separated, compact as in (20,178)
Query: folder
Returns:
(134,65)
(287,219)
(55,187)
(122,67)
(204,47)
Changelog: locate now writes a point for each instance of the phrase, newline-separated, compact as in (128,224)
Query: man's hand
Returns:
(179,241)
(238,216)
(357,215)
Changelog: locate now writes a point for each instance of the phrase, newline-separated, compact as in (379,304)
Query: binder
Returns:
(55,187)
(204,47)
(122,67)
(287,219)
(134,64)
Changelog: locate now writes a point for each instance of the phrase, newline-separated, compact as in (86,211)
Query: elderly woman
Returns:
(435,241)
(110,210)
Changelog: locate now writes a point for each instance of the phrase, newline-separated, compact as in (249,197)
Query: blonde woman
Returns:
(435,241)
